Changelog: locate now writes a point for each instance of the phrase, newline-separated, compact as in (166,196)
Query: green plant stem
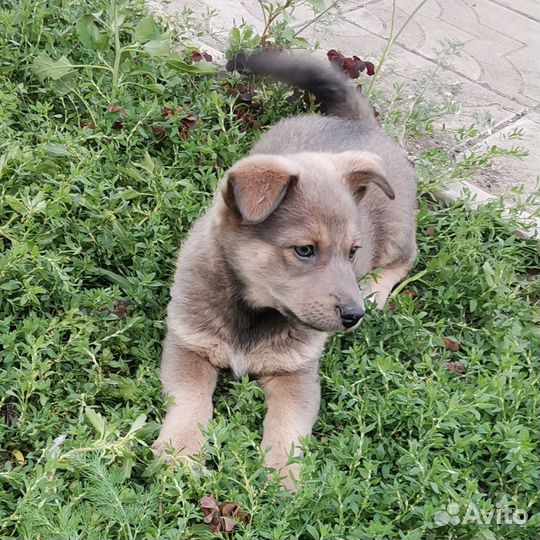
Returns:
(117,55)
(386,50)
(271,18)
(132,83)
(316,18)
(409,280)
(391,40)
(84,102)
(409,18)
(90,66)
(415,102)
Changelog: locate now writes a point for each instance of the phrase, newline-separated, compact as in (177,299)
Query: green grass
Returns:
(93,208)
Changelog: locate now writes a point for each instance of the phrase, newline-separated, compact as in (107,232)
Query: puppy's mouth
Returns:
(295,319)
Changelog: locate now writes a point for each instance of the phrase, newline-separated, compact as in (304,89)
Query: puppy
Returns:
(272,268)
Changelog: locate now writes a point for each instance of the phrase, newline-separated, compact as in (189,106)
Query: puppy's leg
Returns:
(293,404)
(191,380)
(379,288)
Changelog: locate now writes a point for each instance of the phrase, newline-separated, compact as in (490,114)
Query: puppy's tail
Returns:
(333,91)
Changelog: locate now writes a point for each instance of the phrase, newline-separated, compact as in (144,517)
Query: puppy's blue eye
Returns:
(304,252)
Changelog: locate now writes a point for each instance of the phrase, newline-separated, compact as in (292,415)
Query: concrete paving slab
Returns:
(503,63)
(527,62)
(530,8)
(511,73)
(505,20)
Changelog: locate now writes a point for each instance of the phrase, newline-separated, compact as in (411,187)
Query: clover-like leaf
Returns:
(45,67)
(145,29)
(199,68)
(158,47)
(96,420)
(89,34)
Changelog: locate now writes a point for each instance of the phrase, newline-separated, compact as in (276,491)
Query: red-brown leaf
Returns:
(228,524)
(451,344)
(167,113)
(160,132)
(370,68)
(189,121)
(246,97)
(120,307)
(455,367)
(112,108)
(222,517)
(410,292)
(87,124)
(352,66)
(197,56)
(228,508)
(334,56)
(209,502)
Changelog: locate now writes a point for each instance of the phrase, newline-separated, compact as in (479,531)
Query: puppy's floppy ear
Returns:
(362,169)
(256,185)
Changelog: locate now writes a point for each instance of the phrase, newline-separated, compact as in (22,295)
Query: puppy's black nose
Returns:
(350,315)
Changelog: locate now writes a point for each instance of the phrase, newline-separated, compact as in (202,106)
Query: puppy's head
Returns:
(293,232)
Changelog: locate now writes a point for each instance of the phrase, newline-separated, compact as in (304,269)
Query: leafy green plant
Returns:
(392,38)
(104,33)
(279,25)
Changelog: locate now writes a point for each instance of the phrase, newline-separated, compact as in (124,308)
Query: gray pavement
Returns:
(497,71)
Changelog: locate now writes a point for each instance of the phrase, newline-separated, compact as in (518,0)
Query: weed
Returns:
(392,38)
(281,29)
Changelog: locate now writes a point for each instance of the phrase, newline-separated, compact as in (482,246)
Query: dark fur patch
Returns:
(247,327)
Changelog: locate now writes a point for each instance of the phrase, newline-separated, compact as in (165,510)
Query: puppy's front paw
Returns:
(289,472)
(177,445)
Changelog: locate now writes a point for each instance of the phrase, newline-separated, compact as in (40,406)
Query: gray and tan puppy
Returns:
(272,268)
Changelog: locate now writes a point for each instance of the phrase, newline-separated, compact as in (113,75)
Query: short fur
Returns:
(243,299)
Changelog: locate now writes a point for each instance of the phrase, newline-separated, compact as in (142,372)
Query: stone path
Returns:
(498,70)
